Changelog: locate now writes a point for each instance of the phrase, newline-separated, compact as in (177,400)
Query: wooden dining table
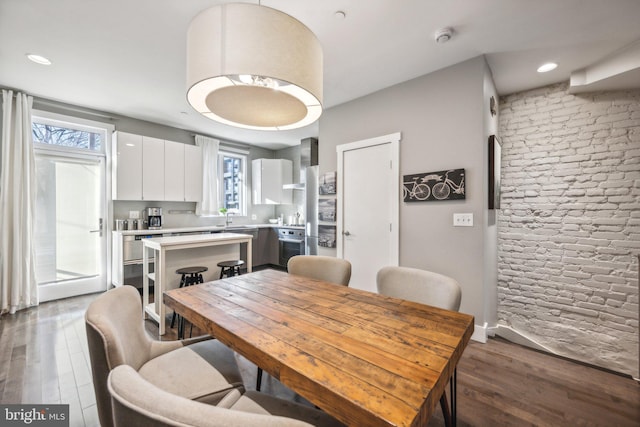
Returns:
(364,358)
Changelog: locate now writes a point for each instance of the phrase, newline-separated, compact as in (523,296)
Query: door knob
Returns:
(346,233)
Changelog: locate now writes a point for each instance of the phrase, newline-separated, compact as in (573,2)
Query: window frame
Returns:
(75,123)
(242,174)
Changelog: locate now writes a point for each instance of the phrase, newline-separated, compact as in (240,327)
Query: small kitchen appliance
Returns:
(154,218)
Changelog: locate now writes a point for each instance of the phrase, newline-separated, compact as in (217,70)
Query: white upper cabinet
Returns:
(268,177)
(127,166)
(173,171)
(153,169)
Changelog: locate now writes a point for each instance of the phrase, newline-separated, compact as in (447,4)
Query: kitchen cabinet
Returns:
(173,171)
(153,169)
(268,177)
(127,166)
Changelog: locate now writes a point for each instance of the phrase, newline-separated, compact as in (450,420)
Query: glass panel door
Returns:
(70,237)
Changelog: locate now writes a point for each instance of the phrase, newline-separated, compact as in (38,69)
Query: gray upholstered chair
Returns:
(136,402)
(329,269)
(420,286)
(424,287)
(205,370)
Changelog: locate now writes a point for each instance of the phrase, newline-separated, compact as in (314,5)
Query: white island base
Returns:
(174,252)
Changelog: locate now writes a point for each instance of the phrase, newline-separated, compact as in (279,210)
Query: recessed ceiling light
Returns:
(38,59)
(340,15)
(547,67)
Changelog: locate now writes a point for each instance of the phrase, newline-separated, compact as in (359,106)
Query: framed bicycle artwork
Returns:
(430,186)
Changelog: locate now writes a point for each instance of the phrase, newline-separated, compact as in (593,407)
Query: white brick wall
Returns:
(569,228)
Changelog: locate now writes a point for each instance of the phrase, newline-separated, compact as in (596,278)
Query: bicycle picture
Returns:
(441,185)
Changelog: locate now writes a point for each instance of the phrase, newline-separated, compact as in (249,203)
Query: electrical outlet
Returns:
(254,217)
(463,220)
(134,214)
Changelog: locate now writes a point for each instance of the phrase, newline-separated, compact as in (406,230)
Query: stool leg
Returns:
(221,272)
(182,282)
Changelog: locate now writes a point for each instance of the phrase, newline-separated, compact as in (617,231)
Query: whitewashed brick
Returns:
(569,230)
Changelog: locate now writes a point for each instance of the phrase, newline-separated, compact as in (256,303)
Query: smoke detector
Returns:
(443,35)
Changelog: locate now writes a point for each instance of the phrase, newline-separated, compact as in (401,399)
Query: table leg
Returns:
(454,390)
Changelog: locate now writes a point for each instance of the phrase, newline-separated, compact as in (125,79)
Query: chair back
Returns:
(420,286)
(137,402)
(116,336)
(326,268)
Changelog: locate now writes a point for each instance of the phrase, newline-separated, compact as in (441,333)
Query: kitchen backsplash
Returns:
(181,214)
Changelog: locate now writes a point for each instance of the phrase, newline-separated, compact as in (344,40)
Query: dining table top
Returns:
(364,358)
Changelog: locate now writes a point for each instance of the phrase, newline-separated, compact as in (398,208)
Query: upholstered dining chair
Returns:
(329,269)
(137,402)
(203,370)
(424,287)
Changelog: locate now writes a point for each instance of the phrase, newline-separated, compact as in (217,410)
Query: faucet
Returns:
(228,220)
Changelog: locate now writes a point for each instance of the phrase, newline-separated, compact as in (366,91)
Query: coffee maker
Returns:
(154,218)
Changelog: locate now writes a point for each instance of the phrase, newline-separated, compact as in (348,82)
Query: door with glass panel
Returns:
(70,233)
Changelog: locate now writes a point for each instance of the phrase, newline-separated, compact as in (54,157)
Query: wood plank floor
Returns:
(44,359)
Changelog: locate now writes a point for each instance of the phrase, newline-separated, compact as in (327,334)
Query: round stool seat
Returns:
(234,263)
(191,270)
(230,268)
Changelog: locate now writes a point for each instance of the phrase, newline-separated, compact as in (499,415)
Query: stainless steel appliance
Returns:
(132,248)
(154,218)
(309,184)
(291,242)
(311,210)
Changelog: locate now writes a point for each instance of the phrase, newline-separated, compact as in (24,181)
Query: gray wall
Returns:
(445,123)
(570,223)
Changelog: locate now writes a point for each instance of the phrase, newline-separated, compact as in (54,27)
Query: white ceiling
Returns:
(127,57)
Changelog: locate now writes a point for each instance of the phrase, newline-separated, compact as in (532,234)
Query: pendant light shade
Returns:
(253,67)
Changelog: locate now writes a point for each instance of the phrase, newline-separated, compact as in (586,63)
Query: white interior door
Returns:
(368,204)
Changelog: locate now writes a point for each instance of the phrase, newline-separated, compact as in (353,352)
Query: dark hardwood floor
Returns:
(44,359)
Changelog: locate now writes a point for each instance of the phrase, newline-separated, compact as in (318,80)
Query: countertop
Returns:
(195,240)
(234,227)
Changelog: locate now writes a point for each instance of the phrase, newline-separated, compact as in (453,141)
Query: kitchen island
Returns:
(173,252)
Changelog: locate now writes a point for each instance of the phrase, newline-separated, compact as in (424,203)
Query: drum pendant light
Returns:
(253,67)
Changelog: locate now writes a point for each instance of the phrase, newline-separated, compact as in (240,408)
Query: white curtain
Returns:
(209,204)
(18,287)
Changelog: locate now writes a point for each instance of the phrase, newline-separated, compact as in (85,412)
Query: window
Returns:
(60,134)
(232,167)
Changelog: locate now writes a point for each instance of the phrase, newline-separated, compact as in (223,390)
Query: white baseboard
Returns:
(480,333)
(519,338)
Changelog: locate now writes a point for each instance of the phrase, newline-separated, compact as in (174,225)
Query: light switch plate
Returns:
(463,220)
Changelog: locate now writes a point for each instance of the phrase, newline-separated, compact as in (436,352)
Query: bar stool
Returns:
(189,276)
(230,268)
